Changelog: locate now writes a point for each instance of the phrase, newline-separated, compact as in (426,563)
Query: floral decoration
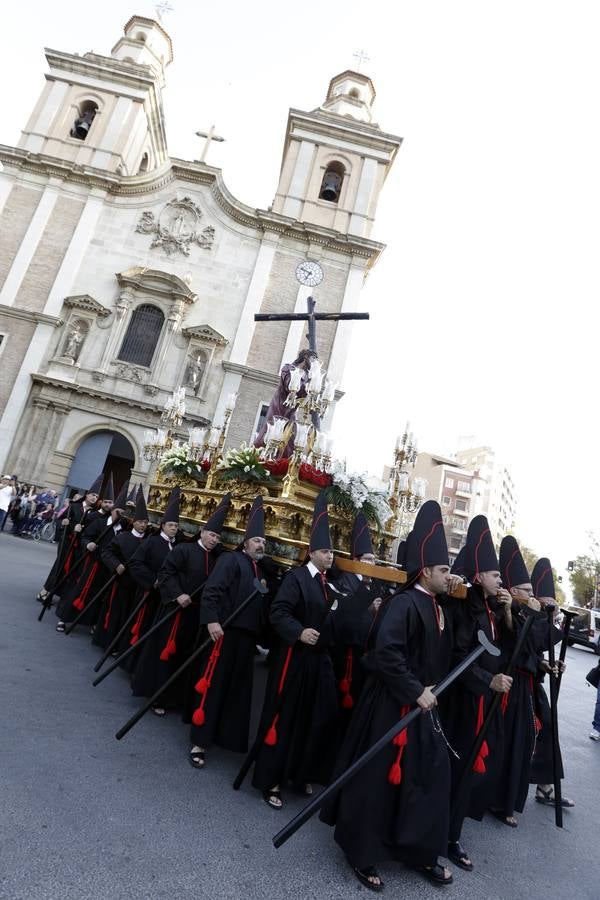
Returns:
(242,464)
(350,493)
(314,476)
(177,461)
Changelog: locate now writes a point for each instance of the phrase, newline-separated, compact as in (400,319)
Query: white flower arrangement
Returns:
(352,493)
(243,463)
(177,460)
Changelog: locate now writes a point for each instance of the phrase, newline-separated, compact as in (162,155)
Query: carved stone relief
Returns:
(177,227)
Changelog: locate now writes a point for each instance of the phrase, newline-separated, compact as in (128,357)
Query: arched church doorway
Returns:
(102,451)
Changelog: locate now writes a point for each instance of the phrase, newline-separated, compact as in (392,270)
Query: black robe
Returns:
(542,768)
(219,691)
(347,658)
(184,571)
(301,732)
(375,817)
(144,569)
(91,575)
(521,721)
(465,705)
(70,550)
(119,598)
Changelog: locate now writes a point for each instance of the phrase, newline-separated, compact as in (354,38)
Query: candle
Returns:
(403,481)
(329,391)
(295,379)
(214,436)
(301,438)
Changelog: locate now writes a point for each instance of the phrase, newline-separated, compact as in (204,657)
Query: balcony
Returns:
(460,512)
(464,495)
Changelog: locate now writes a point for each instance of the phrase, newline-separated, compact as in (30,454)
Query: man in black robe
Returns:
(465,705)
(521,722)
(299,719)
(397,806)
(219,695)
(80,513)
(90,576)
(119,598)
(184,572)
(542,770)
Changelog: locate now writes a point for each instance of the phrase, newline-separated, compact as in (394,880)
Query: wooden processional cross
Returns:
(312,318)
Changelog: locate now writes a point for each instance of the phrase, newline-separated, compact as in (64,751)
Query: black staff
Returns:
(130,650)
(558,813)
(97,596)
(311,808)
(47,601)
(259,588)
(496,700)
(120,633)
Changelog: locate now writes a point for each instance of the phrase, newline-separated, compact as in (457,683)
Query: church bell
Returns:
(330,188)
(82,124)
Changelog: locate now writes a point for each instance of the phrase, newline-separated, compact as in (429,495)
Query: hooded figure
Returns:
(109,491)
(360,541)
(171,513)
(219,694)
(121,499)
(320,537)
(512,565)
(216,520)
(397,807)
(141,510)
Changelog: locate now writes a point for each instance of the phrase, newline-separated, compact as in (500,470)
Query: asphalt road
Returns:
(84,816)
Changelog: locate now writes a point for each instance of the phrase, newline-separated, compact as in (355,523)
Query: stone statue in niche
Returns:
(194,374)
(73,342)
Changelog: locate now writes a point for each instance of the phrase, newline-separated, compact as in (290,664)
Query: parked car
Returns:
(585,628)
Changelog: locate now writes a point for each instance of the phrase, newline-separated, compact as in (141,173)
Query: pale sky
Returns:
(484,305)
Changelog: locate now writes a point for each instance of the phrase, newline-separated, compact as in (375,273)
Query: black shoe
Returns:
(459,856)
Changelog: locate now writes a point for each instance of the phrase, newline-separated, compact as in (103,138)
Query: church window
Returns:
(142,335)
(331,185)
(83,121)
(3,337)
(261,418)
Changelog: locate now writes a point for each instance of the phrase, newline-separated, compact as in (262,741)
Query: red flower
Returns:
(314,476)
(277,467)
(205,465)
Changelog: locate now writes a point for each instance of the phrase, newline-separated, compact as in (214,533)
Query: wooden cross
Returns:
(210,135)
(311,317)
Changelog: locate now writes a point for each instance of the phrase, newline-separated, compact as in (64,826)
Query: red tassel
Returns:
(504,703)
(344,686)
(479,765)
(347,701)
(201,686)
(395,773)
(401,740)
(133,640)
(198,717)
(164,655)
(538,725)
(78,603)
(485,750)
(271,736)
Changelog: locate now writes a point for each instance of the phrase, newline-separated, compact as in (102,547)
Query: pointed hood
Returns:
(109,491)
(96,486)
(458,566)
(141,510)
(121,500)
(132,495)
(320,538)
(360,542)
(542,579)
(216,520)
(427,545)
(171,513)
(512,564)
(480,551)
(255,526)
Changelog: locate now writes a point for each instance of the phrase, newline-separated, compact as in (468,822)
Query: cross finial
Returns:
(362,57)
(210,135)
(162,9)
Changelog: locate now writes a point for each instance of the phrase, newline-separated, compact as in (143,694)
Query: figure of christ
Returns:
(277,407)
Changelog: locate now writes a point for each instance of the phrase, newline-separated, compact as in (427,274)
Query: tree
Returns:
(584,578)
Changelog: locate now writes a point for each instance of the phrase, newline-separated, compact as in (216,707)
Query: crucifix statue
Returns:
(361,57)
(311,274)
(210,135)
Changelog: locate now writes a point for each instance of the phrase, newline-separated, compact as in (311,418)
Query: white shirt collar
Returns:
(312,568)
(200,544)
(137,534)
(422,589)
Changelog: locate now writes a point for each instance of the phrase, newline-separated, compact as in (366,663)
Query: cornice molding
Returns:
(30,316)
(157,282)
(87,303)
(207,333)
(174,170)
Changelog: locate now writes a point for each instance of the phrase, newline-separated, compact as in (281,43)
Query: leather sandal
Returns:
(196,758)
(459,856)
(502,817)
(272,797)
(365,874)
(547,797)
(435,874)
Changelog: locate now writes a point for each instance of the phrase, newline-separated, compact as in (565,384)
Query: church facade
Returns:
(125,273)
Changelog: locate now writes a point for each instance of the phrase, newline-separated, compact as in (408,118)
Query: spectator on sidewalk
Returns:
(7,494)
(595,732)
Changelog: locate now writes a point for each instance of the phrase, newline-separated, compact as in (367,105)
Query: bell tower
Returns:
(106,111)
(336,159)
